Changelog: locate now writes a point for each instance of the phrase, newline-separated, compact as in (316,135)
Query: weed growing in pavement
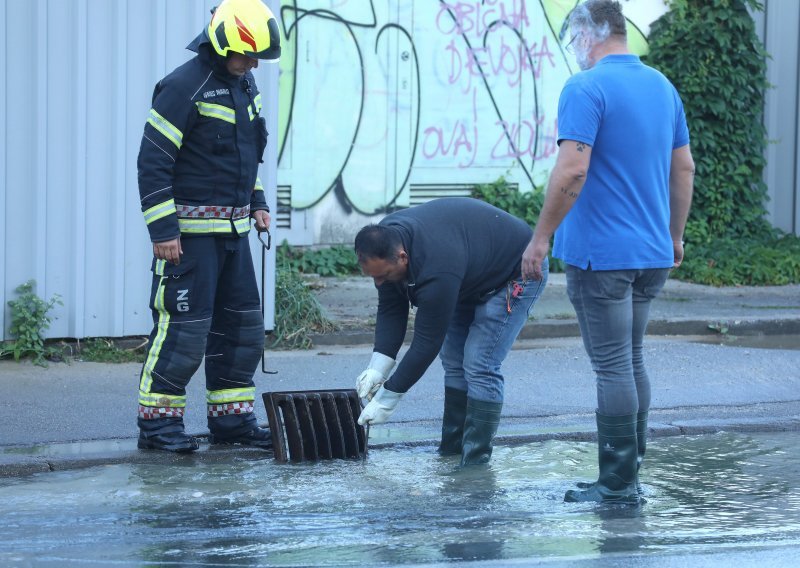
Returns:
(719,327)
(29,320)
(298,313)
(105,350)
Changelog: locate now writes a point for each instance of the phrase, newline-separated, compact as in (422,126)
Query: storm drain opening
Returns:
(315,425)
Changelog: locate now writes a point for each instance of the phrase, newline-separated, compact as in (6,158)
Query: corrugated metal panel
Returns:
(3,172)
(75,89)
(778,28)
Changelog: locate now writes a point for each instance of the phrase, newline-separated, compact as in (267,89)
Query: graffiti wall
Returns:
(388,103)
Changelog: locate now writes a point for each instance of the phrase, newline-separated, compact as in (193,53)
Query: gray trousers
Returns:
(613,307)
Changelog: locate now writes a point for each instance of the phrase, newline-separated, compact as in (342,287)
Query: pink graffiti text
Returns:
(477,17)
(497,60)
(461,137)
(530,141)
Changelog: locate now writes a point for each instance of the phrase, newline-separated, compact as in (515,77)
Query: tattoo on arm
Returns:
(580,146)
(570,194)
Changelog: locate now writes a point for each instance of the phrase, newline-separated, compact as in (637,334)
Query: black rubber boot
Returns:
(617,457)
(480,426)
(455,413)
(165,434)
(239,429)
(641,442)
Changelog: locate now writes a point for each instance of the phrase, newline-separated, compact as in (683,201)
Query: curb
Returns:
(686,427)
(657,430)
(552,329)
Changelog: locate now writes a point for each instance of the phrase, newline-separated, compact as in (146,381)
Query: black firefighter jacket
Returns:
(202,144)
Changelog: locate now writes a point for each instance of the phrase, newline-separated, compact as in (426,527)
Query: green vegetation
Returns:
(738,262)
(507,197)
(106,350)
(298,313)
(337,260)
(29,321)
(711,52)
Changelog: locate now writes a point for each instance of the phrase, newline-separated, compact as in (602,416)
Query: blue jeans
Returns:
(613,307)
(480,336)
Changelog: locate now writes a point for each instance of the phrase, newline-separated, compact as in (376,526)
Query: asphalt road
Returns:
(548,382)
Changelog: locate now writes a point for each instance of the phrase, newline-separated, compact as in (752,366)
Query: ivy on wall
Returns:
(710,51)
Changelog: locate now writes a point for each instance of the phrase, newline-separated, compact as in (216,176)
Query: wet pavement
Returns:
(730,349)
(726,495)
(725,367)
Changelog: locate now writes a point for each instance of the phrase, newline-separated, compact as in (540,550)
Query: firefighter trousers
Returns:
(205,307)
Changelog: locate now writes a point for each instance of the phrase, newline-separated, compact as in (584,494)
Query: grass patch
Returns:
(106,350)
(298,313)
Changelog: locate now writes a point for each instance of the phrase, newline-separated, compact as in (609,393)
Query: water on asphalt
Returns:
(711,494)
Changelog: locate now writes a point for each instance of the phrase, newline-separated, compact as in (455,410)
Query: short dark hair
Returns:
(602,17)
(377,241)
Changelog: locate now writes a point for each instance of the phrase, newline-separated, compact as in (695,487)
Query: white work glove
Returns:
(380,407)
(368,382)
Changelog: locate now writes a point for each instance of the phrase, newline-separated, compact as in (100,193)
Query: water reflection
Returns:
(407,505)
(476,490)
(623,529)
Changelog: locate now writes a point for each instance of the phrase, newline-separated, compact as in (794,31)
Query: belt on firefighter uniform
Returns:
(212,212)
(213,218)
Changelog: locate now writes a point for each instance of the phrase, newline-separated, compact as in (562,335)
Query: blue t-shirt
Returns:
(632,117)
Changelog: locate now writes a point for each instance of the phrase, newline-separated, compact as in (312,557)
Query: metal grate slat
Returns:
(315,425)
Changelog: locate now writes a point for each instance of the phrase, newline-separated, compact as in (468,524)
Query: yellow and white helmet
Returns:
(247,27)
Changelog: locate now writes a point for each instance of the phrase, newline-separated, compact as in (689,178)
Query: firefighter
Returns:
(199,189)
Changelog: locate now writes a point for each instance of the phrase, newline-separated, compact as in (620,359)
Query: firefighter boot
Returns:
(239,429)
(165,434)
(617,458)
(455,413)
(480,426)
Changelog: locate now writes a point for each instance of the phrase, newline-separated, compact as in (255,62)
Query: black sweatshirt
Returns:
(460,251)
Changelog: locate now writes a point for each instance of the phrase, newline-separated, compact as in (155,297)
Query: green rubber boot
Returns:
(617,458)
(455,413)
(641,441)
(480,426)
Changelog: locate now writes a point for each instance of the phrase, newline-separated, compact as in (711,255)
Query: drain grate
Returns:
(315,425)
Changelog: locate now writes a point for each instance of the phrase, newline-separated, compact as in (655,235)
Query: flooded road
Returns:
(712,497)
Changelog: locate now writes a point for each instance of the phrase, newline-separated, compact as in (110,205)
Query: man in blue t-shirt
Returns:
(619,196)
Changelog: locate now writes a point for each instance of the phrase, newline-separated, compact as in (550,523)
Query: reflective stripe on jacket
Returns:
(202,144)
